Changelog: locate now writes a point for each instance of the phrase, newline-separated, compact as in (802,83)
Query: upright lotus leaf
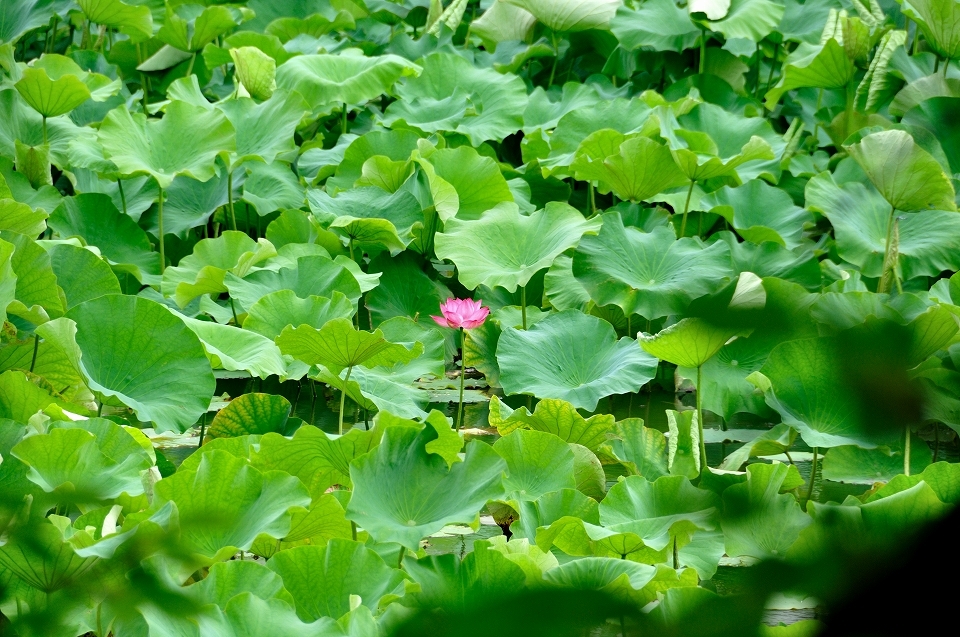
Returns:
(691,342)
(557,417)
(537,463)
(37,297)
(464,183)
(369,217)
(502,22)
(264,131)
(890,516)
(138,352)
(686,448)
(275,311)
(94,218)
(134,20)
(532,559)
(21,399)
(621,579)
(745,19)
(203,271)
(634,168)
(775,441)
(351,78)
(568,16)
(81,274)
(403,493)
(43,558)
(315,18)
(942,477)
(451,94)
(19,16)
(824,65)
(250,414)
(939,20)
(504,248)
(235,349)
(759,521)
(251,616)
(536,516)
(935,115)
(190,27)
(801,381)
(310,276)
(22,123)
(574,357)
(392,145)
(54,85)
(272,187)
(907,176)
(338,345)
(33,162)
(658,24)
(641,449)
(855,465)
(255,70)
(404,289)
(861,216)
(648,273)
(224,504)
(759,212)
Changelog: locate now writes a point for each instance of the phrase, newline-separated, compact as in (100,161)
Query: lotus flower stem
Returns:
(163,261)
(523,306)
(343,125)
(686,209)
(936,441)
(403,550)
(233,309)
(36,347)
(556,58)
(203,429)
(123,197)
(703,49)
(703,445)
(233,215)
(193,60)
(813,476)
(343,397)
(884,285)
(773,64)
(906,452)
(463,372)
(43,127)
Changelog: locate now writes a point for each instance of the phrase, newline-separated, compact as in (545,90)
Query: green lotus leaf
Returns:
(648,273)
(311,17)
(550,507)
(938,19)
(203,271)
(502,22)
(404,289)
(134,20)
(19,16)
(537,463)
(574,357)
(21,399)
(19,217)
(323,521)
(250,414)
(369,217)
(251,616)
(19,122)
(226,580)
(41,556)
(272,187)
(777,440)
(343,79)
(451,94)
(889,516)
(225,504)
(36,298)
(393,145)
(264,131)
(758,520)
(690,342)
(685,455)
(941,476)
(868,466)
(619,578)
(746,19)
(234,349)
(277,310)
(54,85)
(933,116)
(50,364)
(135,350)
(309,276)
(323,579)
(189,27)
(81,274)
(403,493)
(464,183)
(658,24)
(825,65)
(634,168)
(557,417)
(447,582)
(567,16)
(528,556)
(504,248)
(759,212)
(907,176)
(338,345)
(256,71)
(185,142)
(641,449)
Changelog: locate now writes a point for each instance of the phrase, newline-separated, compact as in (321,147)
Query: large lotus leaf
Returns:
(272,187)
(451,94)
(19,122)
(825,65)
(134,20)
(504,248)
(286,20)
(759,521)
(557,417)
(339,345)
(224,504)
(235,349)
(264,130)
(571,15)
(476,180)
(536,516)
(634,169)
(310,276)
(250,414)
(890,516)
(907,176)
(189,27)
(394,145)
(939,20)
(574,357)
(403,493)
(657,24)
(537,463)
(40,555)
(81,274)
(54,85)
(71,464)
(404,289)
(19,16)
(942,477)
(619,578)
(202,272)
(137,351)
(770,259)
(759,212)
(852,464)
(937,116)
(691,342)
(860,214)
(21,399)
(369,217)
(775,441)
(37,298)
(641,449)
(277,310)
(185,142)
(337,79)
(648,273)
(544,109)
(502,22)
(250,616)
(746,19)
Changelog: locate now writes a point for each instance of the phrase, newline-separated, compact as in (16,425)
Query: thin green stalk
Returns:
(50,46)
(193,60)
(813,476)
(816,125)
(916,39)
(123,197)
(99,407)
(36,348)
(884,281)
(629,330)
(233,309)
(403,550)
(344,123)
(906,453)
(946,66)
(463,373)
(686,208)
(676,554)
(233,214)
(556,58)
(163,261)
(523,306)
(703,445)
(773,65)
(343,397)
(703,49)
(936,441)
(43,127)
(593,199)
(756,82)
(203,429)
(353,530)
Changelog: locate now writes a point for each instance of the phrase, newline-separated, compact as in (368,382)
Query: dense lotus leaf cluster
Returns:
(228,223)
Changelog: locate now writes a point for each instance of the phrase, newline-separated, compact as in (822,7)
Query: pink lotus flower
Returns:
(462,313)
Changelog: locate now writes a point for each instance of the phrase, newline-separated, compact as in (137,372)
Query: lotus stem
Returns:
(233,214)
(353,530)
(343,397)
(193,60)
(343,125)
(916,38)
(36,347)
(233,309)
(813,476)
(686,209)
(816,125)
(523,306)
(403,550)
(906,452)
(676,554)
(629,330)
(163,261)
(43,127)
(703,444)
(556,58)
(123,197)
(463,373)
(49,46)
(884,285)
(936,441)
(946,65)
(203,429)
(593,199)
(773,65)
